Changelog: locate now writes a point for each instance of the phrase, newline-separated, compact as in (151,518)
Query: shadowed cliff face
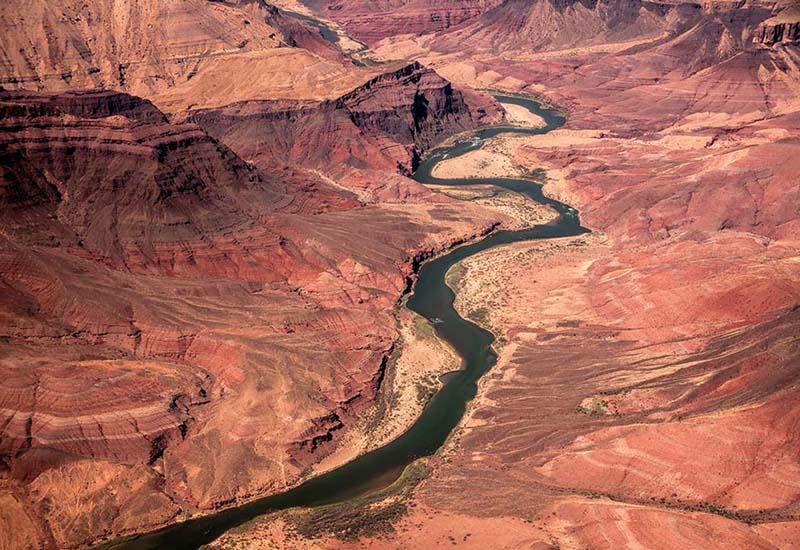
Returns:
(91,105)
(774,32)
(413,106)
(109,169)
(384,124)
(783,27)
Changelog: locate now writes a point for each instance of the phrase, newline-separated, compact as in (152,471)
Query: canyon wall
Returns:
(184,50)
(646,386)
(783,27)
(187,324)
(199,271)
(387,123)
(372,21)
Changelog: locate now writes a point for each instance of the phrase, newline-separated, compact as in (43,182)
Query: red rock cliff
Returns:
(387,122)
(783,28)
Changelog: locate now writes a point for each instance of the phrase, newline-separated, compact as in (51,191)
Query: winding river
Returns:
(433,299)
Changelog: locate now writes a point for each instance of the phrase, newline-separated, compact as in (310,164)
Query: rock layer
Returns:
(159,291)
(647,374)
(193,313)
(372,21)
(385,123)
(783,27)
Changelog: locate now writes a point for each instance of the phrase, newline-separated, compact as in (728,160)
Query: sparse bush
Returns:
(454,275)
(423,328)
(479,315)
(597,407)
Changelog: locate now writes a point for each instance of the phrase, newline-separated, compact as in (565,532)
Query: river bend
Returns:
(433,299)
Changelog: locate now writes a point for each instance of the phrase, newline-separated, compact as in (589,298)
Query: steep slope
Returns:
(147,48)
(70,162)
(386,123)
(141,44)
(195,313)
(376,19)
(554,24)
(782,27)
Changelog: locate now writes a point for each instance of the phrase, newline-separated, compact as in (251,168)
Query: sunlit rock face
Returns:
(372,21)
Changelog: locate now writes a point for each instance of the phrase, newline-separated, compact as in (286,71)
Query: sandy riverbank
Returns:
(520,116)
(519,211)
(482,163)
(420,358)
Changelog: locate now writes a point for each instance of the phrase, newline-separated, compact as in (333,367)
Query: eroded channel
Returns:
(433,299)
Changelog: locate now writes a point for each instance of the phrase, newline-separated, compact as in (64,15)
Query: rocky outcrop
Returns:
(387,122)
(412,106)
(22,106)
(783,28)
(773,33)
(75,159)
(372,21)
(292,30)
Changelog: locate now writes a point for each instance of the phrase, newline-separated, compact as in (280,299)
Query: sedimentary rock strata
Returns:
(142,46)
(158,287)
(386,123)
(199,272)
(138,44)
(372,21)
(783,27)
(647,374)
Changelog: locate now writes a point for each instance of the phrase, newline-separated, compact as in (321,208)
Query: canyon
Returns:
(209,225)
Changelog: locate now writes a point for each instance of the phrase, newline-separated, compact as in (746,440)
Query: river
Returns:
(433,299)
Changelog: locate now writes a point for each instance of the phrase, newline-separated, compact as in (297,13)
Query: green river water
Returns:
(433,299)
